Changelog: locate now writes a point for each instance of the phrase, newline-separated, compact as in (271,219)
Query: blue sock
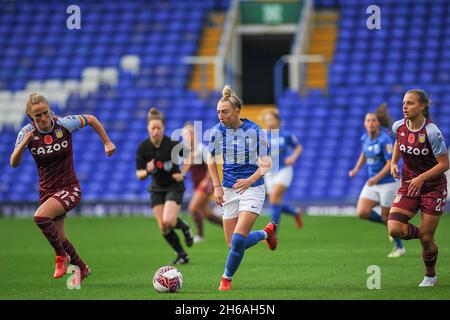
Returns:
(398,243)
(254,237)
(375,217)
(235,255)
(276,213)
(288,209)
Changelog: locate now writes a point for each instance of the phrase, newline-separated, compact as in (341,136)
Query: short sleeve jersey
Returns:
(419,149)
(240,149)
(53,153)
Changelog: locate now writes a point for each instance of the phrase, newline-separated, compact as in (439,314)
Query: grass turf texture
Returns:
(327,259)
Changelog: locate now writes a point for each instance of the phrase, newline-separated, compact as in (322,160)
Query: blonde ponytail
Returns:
(227,95)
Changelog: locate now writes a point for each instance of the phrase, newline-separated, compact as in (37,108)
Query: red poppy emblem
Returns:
(48,139)
(411,138)
(159,164)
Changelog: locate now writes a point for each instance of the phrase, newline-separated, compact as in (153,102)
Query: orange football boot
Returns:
(225,284)
(271,230)
(62,262)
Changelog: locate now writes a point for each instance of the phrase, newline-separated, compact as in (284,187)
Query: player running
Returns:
(49,139)
(279,178)
(203,187)
(423,185)
(380,188)
(154,158)
(244,151)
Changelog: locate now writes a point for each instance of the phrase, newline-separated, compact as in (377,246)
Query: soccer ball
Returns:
(167,279)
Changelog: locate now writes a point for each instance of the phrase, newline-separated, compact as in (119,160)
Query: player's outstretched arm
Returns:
(359,164)
(294,156)
(110,148)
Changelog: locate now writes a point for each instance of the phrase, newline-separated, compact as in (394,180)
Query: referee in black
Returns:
(167,188)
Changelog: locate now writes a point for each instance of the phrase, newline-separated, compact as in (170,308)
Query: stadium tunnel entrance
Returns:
(259,54)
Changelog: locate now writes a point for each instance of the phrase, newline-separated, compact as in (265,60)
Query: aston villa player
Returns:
(49,139)
(424,185)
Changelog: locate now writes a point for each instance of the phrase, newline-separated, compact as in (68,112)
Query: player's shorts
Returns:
(283,177)
(160,197)
(68,197)
(251,200)
(432,202)
(381,193)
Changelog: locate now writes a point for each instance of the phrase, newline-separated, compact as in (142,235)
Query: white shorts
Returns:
(251,200)
(382,193)
(283,177)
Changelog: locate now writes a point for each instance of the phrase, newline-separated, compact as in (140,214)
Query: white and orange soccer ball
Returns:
(168,280)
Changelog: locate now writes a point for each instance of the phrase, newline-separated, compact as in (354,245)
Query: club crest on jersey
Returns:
(376,148)
(58,133)
(411,138)
(421,138)
(48,139)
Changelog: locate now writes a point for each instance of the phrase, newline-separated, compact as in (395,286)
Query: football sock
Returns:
(181,224)
(276,213)
(173,240)
(288,209)
(48,228)
(74,257)
(398,243)
(429,261)
(375,217)
(413,232)
(254,237)
(235,255)
(198,220)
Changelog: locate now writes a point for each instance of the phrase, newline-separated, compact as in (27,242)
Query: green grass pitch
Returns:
(327,259)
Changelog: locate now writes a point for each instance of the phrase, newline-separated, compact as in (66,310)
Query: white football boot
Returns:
(428,282)
(397,252)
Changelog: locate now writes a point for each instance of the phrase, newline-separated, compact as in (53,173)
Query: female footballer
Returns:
(423,183)
(49,139)
(380,188)
(243,147)
(279,179)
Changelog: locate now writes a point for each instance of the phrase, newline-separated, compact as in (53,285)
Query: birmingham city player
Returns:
(279,178)
(49,140)
(380,188)
(244,149)
(424,185)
